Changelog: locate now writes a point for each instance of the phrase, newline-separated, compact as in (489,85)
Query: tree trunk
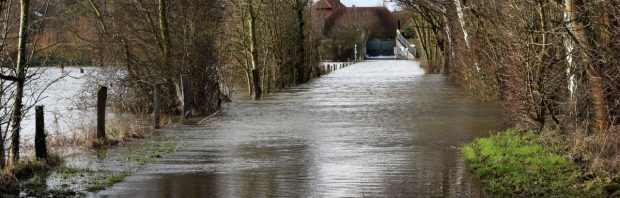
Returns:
(165,34)
(248,75)
(257,88)
(2,136)
(20,73)
(595,82)
(569,44)
(2,151)
(460,13)
(302,75)
(254,51)
(166,67)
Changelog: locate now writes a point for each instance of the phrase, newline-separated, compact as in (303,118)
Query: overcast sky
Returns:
(363,3)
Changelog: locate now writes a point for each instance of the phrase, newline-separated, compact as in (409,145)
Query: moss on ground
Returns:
(513,164)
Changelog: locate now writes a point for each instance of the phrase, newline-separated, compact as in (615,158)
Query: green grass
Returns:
(150,151)
(511,164)
(102,179)
(90,180)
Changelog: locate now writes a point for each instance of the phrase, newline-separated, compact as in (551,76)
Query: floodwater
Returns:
(374,129)
(67,102)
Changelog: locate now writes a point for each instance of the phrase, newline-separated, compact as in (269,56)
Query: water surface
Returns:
(373,129)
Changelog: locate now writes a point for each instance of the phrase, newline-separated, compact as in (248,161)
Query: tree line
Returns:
(195,50)
(552,63)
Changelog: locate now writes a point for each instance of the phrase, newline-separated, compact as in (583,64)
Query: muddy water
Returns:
(373,129)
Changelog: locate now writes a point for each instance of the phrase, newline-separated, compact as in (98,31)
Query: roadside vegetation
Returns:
(511,164)
(553,66)
(526,164)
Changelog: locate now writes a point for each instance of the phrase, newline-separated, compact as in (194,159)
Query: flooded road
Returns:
(372,129)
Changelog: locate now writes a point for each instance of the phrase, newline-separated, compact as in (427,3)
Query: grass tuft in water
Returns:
(150,151)
(89,180)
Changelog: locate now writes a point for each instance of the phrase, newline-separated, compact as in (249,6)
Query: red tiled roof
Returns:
(388,20)
(329,4)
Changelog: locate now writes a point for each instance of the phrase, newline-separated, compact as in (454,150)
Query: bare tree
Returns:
(585,39)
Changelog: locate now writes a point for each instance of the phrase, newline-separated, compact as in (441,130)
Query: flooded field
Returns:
(373,129)
(68,103)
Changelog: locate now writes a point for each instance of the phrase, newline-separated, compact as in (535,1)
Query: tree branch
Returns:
(9,78)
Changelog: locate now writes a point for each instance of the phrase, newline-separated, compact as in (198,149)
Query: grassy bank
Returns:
(520,164)
(11,176)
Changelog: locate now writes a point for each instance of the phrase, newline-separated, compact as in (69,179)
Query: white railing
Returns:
(404,49)
(329,67)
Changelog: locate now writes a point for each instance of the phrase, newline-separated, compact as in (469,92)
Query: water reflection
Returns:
(371,130)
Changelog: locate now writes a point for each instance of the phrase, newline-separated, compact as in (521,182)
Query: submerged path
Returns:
(378,128)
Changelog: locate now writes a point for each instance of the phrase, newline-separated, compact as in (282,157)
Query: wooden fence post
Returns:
(102,97)
(156,106)
(40,146)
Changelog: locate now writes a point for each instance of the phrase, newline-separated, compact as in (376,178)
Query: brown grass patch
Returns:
(598,153)
(117,131)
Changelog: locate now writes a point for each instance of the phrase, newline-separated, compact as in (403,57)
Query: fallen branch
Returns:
(208,118)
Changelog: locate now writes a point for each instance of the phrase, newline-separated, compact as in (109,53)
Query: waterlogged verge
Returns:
(69,180)
(72,181)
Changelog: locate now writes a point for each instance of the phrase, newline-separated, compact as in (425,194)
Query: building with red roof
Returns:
(333,16)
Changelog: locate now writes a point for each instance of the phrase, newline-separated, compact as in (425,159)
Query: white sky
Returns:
(362,3)
(365,3)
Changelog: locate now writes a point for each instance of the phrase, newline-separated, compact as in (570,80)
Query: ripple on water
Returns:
(379,128)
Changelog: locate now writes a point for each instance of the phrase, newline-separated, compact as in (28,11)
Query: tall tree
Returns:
(20,73)
(256,79)
(584,38)
(302,74)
